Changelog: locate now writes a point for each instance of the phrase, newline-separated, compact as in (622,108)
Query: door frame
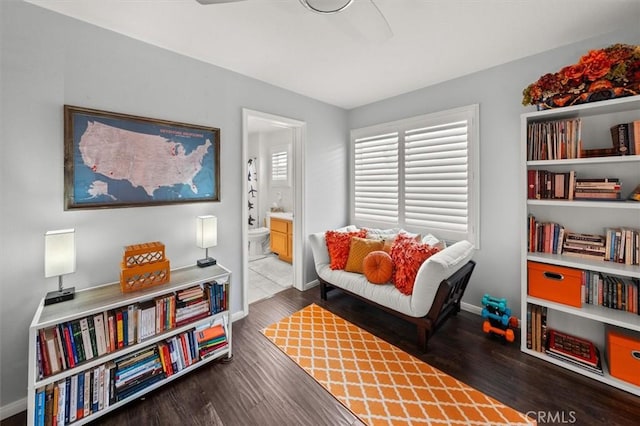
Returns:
(299,131)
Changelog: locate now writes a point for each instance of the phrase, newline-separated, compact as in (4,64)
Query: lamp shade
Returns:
(207,231)
(59,252)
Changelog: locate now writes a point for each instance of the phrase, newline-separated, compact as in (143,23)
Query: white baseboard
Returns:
(238,316)
(471,308)
(310,284)
(13,408)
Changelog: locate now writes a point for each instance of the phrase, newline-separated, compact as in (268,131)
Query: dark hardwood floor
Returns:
(262,386)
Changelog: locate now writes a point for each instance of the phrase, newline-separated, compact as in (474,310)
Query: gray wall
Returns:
(49,60)
(498,92)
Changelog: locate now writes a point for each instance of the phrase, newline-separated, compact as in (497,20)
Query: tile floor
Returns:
(268,276)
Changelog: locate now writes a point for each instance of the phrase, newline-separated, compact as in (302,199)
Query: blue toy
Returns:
(498,319)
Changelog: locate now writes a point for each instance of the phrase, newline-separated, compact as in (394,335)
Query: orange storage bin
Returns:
(144,276)
(142,254)
(623,350)
(555,283)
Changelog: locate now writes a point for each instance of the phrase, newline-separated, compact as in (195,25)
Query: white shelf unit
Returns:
(593,217)
(102,298)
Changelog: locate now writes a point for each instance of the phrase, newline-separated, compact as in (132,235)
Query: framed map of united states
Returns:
(120,160)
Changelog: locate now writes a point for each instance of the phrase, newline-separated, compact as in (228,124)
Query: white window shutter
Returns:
(436,177)
(279,166)
(376,178)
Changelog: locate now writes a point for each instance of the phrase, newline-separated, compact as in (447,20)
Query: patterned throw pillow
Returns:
(408,255)
(358,249)
(338,245)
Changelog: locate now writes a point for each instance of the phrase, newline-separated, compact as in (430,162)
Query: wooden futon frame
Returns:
(445,303)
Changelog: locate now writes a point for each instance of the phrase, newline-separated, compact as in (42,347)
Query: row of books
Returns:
(536,327)
(626,138)
(546,185)
(71,343)
(610,291)
(620,245)
(95,389)
(586,246)
(559,345)
(544,237)
(554,140)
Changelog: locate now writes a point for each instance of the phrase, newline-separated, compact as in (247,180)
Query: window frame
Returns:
(471,113)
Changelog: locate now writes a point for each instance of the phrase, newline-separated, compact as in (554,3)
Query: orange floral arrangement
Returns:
(600,74)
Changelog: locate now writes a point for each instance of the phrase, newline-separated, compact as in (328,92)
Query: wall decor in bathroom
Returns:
(121,160)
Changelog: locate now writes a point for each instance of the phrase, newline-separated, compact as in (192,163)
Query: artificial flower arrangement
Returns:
(600,74)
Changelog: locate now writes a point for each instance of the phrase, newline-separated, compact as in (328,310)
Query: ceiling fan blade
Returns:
(205,2)
(365,21)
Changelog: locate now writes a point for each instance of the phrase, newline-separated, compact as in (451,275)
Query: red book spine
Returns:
(67,341)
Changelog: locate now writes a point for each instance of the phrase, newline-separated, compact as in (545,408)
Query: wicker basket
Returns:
(143,266)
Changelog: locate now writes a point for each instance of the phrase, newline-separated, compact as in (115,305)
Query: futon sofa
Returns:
(438,288)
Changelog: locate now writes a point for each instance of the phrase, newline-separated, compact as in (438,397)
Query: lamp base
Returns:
(207,261)
(59,296)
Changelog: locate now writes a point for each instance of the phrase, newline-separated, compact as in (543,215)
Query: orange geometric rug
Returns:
(378,382)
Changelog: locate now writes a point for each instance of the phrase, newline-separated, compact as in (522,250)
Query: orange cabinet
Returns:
(282,238)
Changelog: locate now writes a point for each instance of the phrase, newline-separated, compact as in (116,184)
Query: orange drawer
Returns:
(623,350)
(555,283)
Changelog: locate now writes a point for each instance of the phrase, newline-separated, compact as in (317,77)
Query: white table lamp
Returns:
(59,260)
(206,236)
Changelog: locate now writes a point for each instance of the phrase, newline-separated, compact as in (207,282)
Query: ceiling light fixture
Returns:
(326,9)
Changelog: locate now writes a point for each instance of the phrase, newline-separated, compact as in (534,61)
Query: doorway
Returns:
(282,189)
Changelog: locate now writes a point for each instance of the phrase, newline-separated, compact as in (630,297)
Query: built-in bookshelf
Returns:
(104,348)
(589,126)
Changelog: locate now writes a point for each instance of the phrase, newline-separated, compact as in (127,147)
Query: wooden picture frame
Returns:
(120,160)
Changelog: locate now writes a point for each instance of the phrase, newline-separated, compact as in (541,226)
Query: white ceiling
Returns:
(342,59)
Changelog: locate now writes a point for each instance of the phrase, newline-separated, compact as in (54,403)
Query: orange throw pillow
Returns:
(358,249)
(408,255)
(378,267)
(338,245)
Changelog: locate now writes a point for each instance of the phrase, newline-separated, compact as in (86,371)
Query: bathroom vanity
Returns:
(281,225)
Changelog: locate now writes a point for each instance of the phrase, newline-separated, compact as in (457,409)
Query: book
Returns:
(579,349)
(634,135)
(73,398)
(131,322)
(101,338)
(635,194)
(77,340)
(39,411)
(86,338)
(48,404)
(620,137)
(597,370)
(92,336)
(119,330)
(52,350)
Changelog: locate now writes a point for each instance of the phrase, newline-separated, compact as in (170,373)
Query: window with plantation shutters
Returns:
(419,174)
(279,166)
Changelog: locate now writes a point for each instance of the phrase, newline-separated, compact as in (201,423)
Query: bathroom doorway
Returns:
(273,170)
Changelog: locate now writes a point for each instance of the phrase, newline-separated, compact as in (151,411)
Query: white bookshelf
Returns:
(107,297)
(589,321)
